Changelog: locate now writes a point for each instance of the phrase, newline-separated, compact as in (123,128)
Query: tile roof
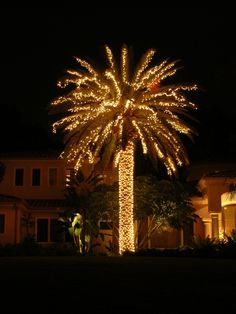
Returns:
(47,203)
(37,203)
(9,198)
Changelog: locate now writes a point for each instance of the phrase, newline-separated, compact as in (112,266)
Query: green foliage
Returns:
(205,247)
(165,203)
(74,225)
(27,222)
(167,200)
(233,235)
(79,188)
(120,99)
(203,243)
(59,249)
(228,246)
(112,249)
(232,190)
(89,200)
(29,246)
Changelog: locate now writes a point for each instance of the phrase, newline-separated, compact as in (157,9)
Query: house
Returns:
(32,198)
(32,187)
(216,207)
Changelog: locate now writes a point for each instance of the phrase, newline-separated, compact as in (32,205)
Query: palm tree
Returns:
(105,113)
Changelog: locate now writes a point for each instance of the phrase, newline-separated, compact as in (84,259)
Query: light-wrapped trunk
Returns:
(126,199)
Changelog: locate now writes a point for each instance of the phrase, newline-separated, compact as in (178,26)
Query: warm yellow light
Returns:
(126,199)
(115,106)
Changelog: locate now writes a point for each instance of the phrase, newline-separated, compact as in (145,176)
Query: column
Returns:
(207,227)
(215,225)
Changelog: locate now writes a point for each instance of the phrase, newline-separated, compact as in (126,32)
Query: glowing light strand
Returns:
(114,104)
(126,199)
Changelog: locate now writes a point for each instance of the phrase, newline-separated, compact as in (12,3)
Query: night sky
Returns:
(38,45)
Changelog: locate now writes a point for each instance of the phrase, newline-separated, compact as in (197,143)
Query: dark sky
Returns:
(38,45)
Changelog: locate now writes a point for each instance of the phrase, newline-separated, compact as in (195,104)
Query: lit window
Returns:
(52,176)
(19,177)
(36,177)
(2,223)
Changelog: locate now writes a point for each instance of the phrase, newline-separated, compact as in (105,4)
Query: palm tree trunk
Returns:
(126,177)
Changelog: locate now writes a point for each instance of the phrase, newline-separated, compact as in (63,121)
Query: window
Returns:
(42,230)
(48,230)
(36,177)
(52,174)
(2,223)
(19,177)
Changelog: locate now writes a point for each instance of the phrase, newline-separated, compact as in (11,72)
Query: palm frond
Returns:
(104,110)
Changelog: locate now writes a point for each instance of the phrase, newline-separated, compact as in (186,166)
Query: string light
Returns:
(126,199)
(110,110)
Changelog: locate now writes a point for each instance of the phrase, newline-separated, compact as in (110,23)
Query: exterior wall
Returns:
(44,214)
(200,229)
(13,210)
(215,188)
(169,238)
(142,240)
(217,214)
(13,229)
(229,219)
(8,187)
(9,235)
(166,239)
(105,244)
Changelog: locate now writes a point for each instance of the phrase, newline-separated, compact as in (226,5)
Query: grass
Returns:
(117,285)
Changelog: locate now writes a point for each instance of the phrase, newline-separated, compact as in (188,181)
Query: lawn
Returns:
(117,285)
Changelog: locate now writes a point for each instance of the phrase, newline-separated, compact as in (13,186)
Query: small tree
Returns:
(87,203)
(165,203)
(27,222)
(73,223)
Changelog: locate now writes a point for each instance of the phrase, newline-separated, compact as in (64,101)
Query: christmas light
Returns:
(126,199)
(107,112)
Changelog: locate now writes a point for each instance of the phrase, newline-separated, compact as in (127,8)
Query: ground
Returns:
(117,285)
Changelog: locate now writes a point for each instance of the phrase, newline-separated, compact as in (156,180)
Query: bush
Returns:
(29,247)
(60,249)
(205,247)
